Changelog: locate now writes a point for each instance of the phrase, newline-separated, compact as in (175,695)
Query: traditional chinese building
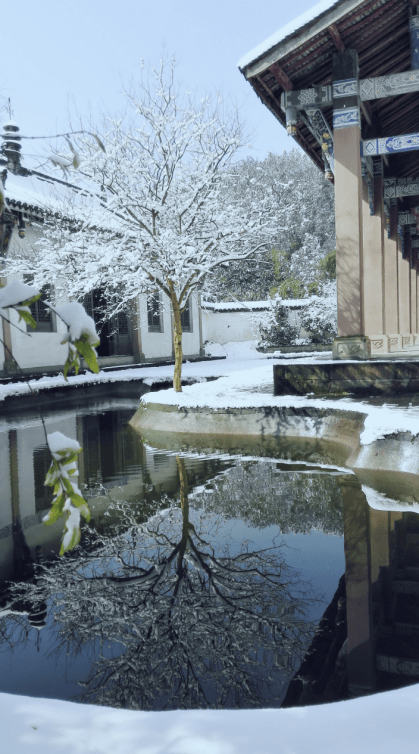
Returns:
(343,79)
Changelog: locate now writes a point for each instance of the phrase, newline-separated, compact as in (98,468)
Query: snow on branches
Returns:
(154,216)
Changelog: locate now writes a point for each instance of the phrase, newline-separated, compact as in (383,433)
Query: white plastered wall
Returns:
(230,326)
(238,326)
(159,345)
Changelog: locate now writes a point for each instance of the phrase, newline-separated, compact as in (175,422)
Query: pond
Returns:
(206,577)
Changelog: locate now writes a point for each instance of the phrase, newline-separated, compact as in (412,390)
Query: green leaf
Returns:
(76,499)
(85,512)
(30,301)
(26,316)
(71,458)
(68,486)
(75,539)
(56,511)
(88,353)
(72,361)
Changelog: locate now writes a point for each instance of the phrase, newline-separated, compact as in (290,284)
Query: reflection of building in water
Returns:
(378,649)
(113,465)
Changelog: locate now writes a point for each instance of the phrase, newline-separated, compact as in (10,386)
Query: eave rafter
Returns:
(336,38)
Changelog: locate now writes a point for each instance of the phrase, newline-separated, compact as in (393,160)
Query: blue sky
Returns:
(57,55)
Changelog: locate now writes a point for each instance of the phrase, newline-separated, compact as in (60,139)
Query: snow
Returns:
(379,724)
(224,306)
(78,321)
(240,385)
(58,442)
(286,31)
(14,293)
(381,502)
(33,192)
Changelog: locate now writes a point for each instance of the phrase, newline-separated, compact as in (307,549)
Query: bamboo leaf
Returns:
(76,499)
(75,539)
(88,353)
(56,511)
(26,316)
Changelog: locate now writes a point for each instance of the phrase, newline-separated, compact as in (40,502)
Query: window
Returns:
(154,313)
(186,317)
(43,316)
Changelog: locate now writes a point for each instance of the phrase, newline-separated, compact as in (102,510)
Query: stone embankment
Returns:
(329,436)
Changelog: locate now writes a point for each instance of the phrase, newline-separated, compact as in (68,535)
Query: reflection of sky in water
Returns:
(318,558)
(116,455)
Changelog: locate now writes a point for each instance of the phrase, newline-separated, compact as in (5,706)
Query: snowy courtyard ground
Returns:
(381,724)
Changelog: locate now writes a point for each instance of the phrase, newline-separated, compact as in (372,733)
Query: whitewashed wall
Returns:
(223,324)
(230,326)
(159,345)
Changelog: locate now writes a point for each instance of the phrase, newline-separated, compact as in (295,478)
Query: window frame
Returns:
(46,291)
(154,310)
(188,309)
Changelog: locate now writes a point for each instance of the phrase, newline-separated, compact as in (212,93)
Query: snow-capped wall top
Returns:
(224,306)
(286,31)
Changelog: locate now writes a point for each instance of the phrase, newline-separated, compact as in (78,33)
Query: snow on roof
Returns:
(224,306)
(287,30)
(31,193)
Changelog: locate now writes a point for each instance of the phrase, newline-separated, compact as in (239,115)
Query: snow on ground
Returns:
(379,724)
(245,380)
(252,387)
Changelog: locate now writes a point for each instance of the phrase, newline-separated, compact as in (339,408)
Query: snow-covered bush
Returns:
(277,329)
(319,317)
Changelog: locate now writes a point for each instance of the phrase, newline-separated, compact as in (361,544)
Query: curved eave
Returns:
(378,31)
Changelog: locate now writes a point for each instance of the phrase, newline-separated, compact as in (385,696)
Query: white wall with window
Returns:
(155,323)
(143,333)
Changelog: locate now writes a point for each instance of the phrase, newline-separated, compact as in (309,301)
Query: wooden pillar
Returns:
(391,298)
(413,292)
(360,646)
(348,208)
(373,267)
(403,264)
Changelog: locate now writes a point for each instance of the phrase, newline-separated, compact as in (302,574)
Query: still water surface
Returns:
(199,583)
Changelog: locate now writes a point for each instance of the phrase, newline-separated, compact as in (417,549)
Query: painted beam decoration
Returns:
(320,129)
(389,86)
(373,88)
(405,218)
(395,187)
(390,145)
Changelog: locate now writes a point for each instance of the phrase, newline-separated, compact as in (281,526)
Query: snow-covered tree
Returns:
(303,226)
(276,329)
(320,315)
(154,216)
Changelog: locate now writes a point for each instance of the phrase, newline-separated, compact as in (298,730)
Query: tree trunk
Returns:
(184,504)
(177,337)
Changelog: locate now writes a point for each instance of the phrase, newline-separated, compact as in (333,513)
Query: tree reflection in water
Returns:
(184,616)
